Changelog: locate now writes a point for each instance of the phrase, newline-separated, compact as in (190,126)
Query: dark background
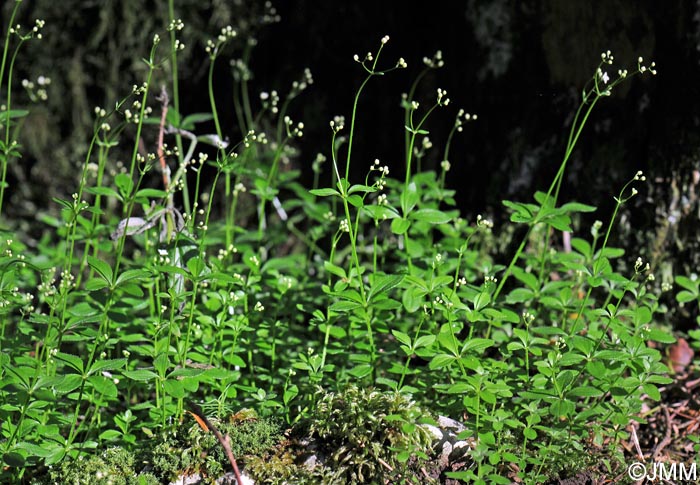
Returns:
(519,65)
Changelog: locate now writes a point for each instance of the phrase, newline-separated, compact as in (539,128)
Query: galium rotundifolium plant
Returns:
(145,306)
(532,364)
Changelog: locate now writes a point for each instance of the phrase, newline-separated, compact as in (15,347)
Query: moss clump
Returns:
(252,436)
(190,449)
(280,468)
(370,436)
(114,466)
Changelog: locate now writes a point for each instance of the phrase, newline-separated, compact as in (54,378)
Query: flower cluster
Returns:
(607,57)
(377,166)
(47,288)
(306,81)
(224,253)
(35,32)
(638,266)
(642,68)
(318,162)
(528,317)
(176,24)
(441,300)
(67,281)
(241,71)
(79,205)
(482,223)
(139,90)
(37,91)
(602,76)
(253,137)
(442,99)
(270,101)
(434,62)
(294,131)
(337,123)
(462,115)
(227,33)
(270,16)
(238,189)
(369,57)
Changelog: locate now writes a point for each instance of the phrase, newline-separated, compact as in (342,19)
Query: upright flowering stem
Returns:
(621,199)
(213,48)
(369,63)
(9,147)
(352,124)
(176,97)
(599,86)
(415,130)
(435,62)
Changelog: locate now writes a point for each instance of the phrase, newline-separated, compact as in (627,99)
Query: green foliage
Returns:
(349,310)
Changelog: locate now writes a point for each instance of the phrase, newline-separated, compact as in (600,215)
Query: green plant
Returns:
(690,292)
(11,119)
(351,311)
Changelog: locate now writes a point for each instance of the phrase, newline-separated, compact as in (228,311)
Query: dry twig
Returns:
(667,437)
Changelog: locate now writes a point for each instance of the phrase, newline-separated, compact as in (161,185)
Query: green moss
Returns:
(189,449)
(253,437)
(114,466)
(370,436)
(280,469)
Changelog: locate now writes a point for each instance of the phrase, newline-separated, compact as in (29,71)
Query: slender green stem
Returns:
(8,145)
(407,113)
(414,132)
(270,179)
(245,92)
(574,136)
(6,47)
(176,103)
(352,125)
